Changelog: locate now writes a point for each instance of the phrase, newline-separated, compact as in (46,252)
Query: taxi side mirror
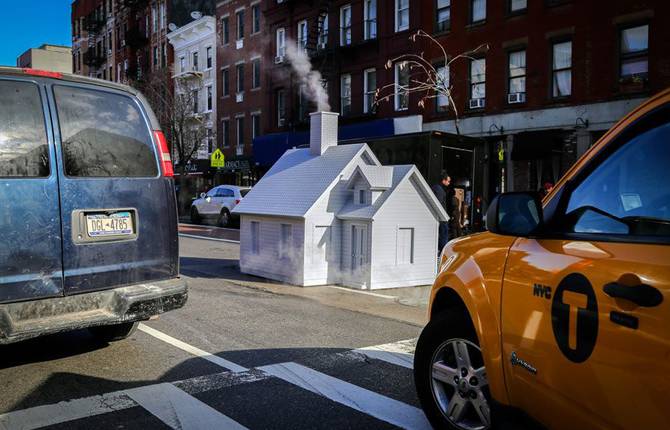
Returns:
(514,214)
(203,195)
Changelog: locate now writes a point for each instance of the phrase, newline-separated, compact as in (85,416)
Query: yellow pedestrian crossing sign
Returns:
(218,159)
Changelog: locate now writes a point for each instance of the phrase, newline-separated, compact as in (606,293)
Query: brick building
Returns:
(556,75)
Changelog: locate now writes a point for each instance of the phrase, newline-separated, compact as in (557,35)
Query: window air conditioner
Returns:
(516,98)
(477,103)
(279,59)
(239,97)
(239,44)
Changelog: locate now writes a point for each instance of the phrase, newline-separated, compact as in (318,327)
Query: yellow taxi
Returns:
(562,308)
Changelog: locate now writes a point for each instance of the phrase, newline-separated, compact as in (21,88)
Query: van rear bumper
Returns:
(25,320)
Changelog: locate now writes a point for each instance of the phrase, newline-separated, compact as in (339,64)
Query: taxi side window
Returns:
(629,192)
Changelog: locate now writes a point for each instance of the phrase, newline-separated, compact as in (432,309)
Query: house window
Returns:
(405,248)
(370,18)
(362,197)
(255,237)
(401,15)
(477,11)
(256,18)
(195,96)
(225,82)
(225,133)
(195,61)
(209,98)
(369,89)
(517,73)
(442,99)
(281,108)
(240,25)
(281,43)
(225,31)
(302,35)
(209,57)
(285,241)
(323,31)
(240,77)
(401,96)
(345,25)
(634,52)
(477,80)
(345,94)
(182,64)
(443,15)
(516,6)
(255,125)
(240,131)
(561,69)
(256,73)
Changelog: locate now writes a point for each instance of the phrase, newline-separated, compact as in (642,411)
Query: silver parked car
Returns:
(217,203)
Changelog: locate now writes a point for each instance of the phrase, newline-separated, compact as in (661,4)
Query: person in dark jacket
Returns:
(455,227)
(441,191)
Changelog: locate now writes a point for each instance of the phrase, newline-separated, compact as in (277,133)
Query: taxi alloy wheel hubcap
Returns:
(459,385)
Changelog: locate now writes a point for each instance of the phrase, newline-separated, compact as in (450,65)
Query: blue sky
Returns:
(30,23)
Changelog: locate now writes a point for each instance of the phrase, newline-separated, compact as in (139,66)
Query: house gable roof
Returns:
(298,179)
(377,177)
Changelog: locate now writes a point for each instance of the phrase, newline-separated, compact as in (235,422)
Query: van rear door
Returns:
(30,225)
(118,210)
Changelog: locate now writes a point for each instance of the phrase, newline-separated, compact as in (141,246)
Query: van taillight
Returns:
(42,73)
(164,154)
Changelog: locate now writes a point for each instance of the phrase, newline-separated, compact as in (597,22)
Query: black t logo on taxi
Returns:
(574,317)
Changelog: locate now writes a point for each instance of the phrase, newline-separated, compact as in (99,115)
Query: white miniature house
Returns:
(332,214)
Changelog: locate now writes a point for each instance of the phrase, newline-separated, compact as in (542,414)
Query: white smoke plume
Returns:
(302,67)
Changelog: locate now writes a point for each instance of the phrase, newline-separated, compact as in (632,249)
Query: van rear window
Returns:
(103,134)
(24,151)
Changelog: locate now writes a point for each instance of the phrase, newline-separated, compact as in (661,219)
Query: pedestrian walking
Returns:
(441,191)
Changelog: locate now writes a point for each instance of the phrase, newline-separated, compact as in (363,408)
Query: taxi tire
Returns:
(444,326)
(113,333)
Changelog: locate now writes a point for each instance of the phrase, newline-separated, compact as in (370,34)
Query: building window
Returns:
(369,89)
(255,237)
(561,69)
(345,94)
(281,108)
(401,96)
(256,18)
(517,6)
(635,53)
(302,103)
(210,141)
(256,73)
(255,125)
(477,11)
(240,77)
(182,64)
(164,55)
(285,241)
(370,18)
(345,25)
(302,35)
(477,82)
(323,31)
(155,56)
(281,43)
(401,15)
(154,19)
(240,131)
(517,76)
(209,98)
(225,133)
(443,15)
(442,99)
(225,31)
(162,15)
(240,25)
(194,64)
(209,57)
(195,96)
(225,82)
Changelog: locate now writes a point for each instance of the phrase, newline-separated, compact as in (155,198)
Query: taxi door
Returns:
(586,303)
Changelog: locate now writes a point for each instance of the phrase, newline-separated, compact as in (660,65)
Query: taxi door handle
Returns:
(642,295)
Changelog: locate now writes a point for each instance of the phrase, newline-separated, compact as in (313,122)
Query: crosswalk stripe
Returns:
(179,410)
(399,353)
(360,399)
(192,349)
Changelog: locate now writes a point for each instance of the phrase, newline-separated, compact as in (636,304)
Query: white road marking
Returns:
(192,236)
(399,353)
(192,349)
(179,410)
(57,413)
(360,399)
(367,293)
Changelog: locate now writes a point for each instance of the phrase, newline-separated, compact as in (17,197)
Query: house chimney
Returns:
(322,131)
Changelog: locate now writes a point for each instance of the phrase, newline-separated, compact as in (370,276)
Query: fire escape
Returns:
(94,57)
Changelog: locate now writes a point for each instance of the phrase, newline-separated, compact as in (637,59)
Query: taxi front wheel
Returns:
(450,376)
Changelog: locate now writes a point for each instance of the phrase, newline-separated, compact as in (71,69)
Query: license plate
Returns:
(116,224)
